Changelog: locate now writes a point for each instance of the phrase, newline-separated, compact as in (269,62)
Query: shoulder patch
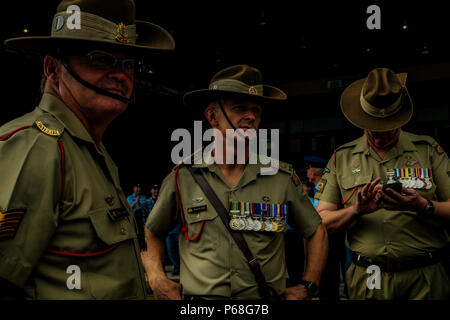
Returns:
(321,185)
(350,144)
(9,222)
(439,149)
(48,131)
(419,138)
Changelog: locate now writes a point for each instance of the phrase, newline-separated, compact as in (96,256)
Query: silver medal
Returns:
(269,225)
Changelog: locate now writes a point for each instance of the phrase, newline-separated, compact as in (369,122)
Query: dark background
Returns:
(310,49)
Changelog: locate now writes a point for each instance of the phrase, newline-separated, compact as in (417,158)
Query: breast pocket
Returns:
(111,232)
(114,273)
(197,215)
(351,185)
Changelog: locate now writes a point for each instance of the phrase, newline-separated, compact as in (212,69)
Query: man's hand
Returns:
(367,201)
(162,287)
(408,199)
(166,289)
(297,292)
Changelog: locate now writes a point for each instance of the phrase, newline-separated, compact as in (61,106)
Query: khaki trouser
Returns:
(427,283)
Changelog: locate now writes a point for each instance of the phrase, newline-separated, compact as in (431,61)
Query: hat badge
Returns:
(121,33)
(252,90)
(58,23)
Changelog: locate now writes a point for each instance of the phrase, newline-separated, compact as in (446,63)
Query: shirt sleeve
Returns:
(30,175)
(163,217)
(441,172)
(302,216)
(328,189)
(130,200)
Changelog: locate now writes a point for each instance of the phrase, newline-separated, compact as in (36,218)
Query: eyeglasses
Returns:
(105,61)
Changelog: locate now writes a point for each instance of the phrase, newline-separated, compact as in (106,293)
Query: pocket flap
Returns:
(108,231)
(351,181)
(195,217)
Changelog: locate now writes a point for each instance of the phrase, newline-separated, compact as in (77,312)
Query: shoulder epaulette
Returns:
(415,138)
(349,144)
(425,139)
(286,167)
(188,160)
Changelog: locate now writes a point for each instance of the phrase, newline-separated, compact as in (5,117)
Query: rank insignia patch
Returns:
(9,223)
(321,185)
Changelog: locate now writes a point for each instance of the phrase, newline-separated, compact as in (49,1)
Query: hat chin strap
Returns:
(228,119)
(97,89)
(225,114)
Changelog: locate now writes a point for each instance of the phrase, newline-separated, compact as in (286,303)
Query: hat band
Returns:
(380,112)
(92,27)
(237,86)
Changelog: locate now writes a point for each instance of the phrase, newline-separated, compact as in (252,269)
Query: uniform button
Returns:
(123,231)
(384,221)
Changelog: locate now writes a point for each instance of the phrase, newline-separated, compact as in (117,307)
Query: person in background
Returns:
(138,203)
(330,281)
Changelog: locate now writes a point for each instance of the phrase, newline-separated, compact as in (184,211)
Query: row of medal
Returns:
(415,178)
(250,216)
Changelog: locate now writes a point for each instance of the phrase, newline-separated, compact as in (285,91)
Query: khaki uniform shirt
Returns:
(213,266)
(33,220)
(389,235)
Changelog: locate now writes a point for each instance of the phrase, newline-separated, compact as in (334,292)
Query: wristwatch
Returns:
(428,210)
(311,287)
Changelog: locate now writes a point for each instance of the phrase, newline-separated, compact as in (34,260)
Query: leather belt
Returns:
(397,266)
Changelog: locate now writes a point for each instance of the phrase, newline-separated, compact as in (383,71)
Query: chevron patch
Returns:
(9,223)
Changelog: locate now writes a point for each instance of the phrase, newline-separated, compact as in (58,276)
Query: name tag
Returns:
(116,214)
(196,209)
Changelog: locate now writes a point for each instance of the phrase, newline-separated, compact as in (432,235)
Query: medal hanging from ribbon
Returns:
(414,178)
(250,216)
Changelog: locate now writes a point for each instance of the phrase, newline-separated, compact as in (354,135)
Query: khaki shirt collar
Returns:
(403,145)
(62,112)
(361,145)
(251,171)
